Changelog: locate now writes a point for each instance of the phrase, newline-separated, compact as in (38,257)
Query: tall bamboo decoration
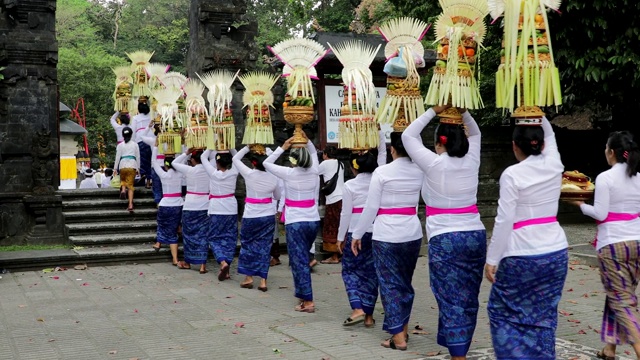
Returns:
(300,57)
(357,128)
(258,99)
(402,103)
(219,84)
(527,77)
(460,30)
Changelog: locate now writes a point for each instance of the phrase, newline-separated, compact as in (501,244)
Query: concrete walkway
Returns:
(156,311)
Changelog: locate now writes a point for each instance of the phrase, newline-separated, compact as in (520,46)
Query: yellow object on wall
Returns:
(68,170)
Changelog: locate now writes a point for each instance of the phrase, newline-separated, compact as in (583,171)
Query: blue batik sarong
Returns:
(256,238)
(456,263)
(300,237)
(395,264)
(224,237)
(195,236)
(359,275)
(169,218)
(145,159)
(156,186)
(523,305)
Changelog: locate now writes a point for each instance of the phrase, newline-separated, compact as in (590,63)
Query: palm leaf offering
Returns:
(527,77)
(123,90)
(402,103)
(258,99)
(139,60)
(222,135)
(460,30)
(196,108)
(155,71)
(169,139)
(357,128)
(300,57)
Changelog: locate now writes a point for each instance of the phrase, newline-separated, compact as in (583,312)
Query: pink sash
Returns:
(172,195)
(408,211)
(160,157)
(258,201)
(220,196)
(357,210)
(197,193)
(431,211)
(536,221)
(296,203)
(613,217)
(120,142)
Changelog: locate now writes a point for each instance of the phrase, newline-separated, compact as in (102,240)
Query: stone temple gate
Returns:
(30,211)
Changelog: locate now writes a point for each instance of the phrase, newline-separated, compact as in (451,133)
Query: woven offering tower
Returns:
(219,83)
(527,78)
(402,103)
(258,99)
(123,101)
(299,57)
(460,30)
(197,131)
(170,137)
(357,128)
(139,60)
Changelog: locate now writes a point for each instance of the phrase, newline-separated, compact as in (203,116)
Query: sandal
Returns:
(247,285)
(156,248)
(203,271)
(390,344)
(600,355)
(370,325)
(224,273)
(307,309)
(123,195)
(183,265)
(330,261)
(263,288)
(352,321)
(130,209)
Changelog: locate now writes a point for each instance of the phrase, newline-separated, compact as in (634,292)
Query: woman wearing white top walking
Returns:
(615,208)
(195,221)
(256,233)
(300,212)
(127,165)
(330,167)
(527,257)
(457,237)
(124,122)
(223,209)
(397,236)
(359,272)
(169,207)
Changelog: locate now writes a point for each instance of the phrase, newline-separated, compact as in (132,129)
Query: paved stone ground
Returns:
(155,311)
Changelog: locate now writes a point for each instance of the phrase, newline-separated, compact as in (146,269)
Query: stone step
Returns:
(112,239)
(107,192)
(112,227)
(92,215)
(104,203)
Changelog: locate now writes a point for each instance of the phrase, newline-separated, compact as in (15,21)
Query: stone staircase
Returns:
(102,231)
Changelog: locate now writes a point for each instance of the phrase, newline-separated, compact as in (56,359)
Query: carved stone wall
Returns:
(29,167)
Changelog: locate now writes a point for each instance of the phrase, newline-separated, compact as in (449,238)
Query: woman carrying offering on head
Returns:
(527,257)
(457,237)
(359,272)
(127,165)
(258,225)
(615,208)
(223,209)
(300,212)
(392,202)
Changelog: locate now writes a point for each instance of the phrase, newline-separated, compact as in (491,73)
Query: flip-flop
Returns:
(352,321)
(182,265)
(247,285)
(371,325)
(390,344)
(204,271)
(156,248)
(307,309)
(600,355)
(263,288)
(330,261)
(224,273)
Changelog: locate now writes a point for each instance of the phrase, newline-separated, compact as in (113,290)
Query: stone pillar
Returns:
(29,167)
(221,36)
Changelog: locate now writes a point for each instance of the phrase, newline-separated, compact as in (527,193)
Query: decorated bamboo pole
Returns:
(402,103)
(300,57)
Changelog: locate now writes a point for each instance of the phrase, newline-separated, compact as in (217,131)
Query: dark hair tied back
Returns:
(530,139)
(224,160)
(396,143)
(453,138)
(366,163)
(625,150)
